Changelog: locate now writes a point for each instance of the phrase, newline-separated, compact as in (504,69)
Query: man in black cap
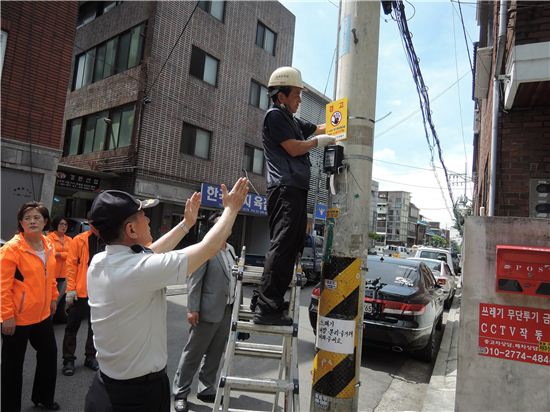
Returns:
(126,288)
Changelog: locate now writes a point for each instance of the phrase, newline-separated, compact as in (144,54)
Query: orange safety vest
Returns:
(77,264)
(61,246)
(28,284)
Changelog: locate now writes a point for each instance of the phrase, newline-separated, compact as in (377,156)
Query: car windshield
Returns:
(434,266)
(433,255)
(392,273)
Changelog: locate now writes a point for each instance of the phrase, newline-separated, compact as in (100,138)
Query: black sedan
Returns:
(403,306)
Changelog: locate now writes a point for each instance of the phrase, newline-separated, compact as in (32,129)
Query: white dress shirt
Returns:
(127,300)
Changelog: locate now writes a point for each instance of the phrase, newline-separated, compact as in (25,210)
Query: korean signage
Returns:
(337,118)
(514,333)
(336,335)
(211,196)
(77,182)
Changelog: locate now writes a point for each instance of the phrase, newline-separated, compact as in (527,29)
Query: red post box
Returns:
(523,270)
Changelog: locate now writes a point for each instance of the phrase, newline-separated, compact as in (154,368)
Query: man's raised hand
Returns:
(192,207)
(234,200)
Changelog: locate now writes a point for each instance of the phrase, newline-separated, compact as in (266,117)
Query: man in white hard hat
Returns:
(286,148)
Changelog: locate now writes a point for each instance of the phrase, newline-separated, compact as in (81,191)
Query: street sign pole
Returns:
(336,367)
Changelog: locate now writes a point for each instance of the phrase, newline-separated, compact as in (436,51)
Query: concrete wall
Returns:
(486,383)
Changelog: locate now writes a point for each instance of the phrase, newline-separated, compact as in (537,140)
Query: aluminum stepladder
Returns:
(287,382)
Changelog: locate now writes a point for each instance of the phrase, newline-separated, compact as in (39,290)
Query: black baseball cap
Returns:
(112,207)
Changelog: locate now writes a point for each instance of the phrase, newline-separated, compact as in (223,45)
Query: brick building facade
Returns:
(37,39)
(176,93)
(523,132)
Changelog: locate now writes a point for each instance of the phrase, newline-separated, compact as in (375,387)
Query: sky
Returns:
(401,151)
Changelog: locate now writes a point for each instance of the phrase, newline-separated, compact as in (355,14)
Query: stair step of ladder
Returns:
(286,385)
(259,349)
(267,329)
(262,385)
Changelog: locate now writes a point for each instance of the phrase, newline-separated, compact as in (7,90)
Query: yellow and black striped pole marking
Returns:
(334,380)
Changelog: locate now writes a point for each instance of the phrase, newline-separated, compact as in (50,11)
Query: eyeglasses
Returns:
(62,224)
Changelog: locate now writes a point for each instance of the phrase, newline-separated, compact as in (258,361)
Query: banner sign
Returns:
(77,182)
(337,118)
(211,196)
(514,333)
(321,212)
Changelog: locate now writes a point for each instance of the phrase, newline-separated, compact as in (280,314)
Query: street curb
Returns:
(440,395)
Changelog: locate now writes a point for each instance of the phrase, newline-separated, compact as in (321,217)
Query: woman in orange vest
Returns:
(61,243)
(28,297)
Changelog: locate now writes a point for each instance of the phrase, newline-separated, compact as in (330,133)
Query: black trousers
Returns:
(286,208)
(149,393)
(42,339)
(78,312)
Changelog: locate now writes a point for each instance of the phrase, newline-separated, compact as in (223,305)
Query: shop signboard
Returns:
(211,196)
(78,182)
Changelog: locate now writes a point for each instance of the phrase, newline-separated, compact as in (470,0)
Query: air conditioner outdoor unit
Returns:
(483,72)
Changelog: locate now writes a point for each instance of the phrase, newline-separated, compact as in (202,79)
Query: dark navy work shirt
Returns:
(282,168)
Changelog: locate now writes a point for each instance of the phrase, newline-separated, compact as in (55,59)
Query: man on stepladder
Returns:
(286,150)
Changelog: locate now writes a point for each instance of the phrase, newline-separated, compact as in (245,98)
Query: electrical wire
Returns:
(406,184)
(416,111)
(171,50)
(432,138)
(29,68)
(464,32)
(458,86)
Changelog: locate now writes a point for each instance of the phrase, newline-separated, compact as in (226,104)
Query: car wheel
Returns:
(439,323)
(449,302)
(311,276)
(427,353)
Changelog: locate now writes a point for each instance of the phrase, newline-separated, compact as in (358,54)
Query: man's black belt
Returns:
(140,379)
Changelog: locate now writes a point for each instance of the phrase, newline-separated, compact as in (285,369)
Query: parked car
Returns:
(403,306)
(312,258)
(438,254)
(396,251)
(77,225)
(444,277)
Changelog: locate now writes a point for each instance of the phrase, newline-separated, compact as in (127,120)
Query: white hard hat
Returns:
(286,76)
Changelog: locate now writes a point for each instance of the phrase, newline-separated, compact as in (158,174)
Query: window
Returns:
(253,160)
(114,56)
(195,141)
(265,38)
(91,10)
(204,66)
(3,44)
(105,130)
(258,95)
(215,8)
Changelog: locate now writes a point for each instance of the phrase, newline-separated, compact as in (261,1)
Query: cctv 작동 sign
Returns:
(514,333)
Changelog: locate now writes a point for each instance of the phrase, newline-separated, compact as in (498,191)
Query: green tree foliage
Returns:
(438,241)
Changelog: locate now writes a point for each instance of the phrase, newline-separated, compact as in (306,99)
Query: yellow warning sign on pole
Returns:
(337,118)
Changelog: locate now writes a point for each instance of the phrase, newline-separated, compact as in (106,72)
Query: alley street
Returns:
(389,381)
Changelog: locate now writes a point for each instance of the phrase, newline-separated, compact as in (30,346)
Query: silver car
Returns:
(444,276)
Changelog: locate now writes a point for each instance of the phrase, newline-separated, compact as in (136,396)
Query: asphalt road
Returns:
(389,381)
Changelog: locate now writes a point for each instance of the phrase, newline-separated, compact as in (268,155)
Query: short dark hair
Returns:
(43,210)
(56,221)
(273,91)
(114,233)
(212,218)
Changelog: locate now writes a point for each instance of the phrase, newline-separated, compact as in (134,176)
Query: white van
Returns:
(435,253)
(397,251)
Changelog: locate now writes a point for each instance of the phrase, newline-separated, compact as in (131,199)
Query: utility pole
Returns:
(337,362)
